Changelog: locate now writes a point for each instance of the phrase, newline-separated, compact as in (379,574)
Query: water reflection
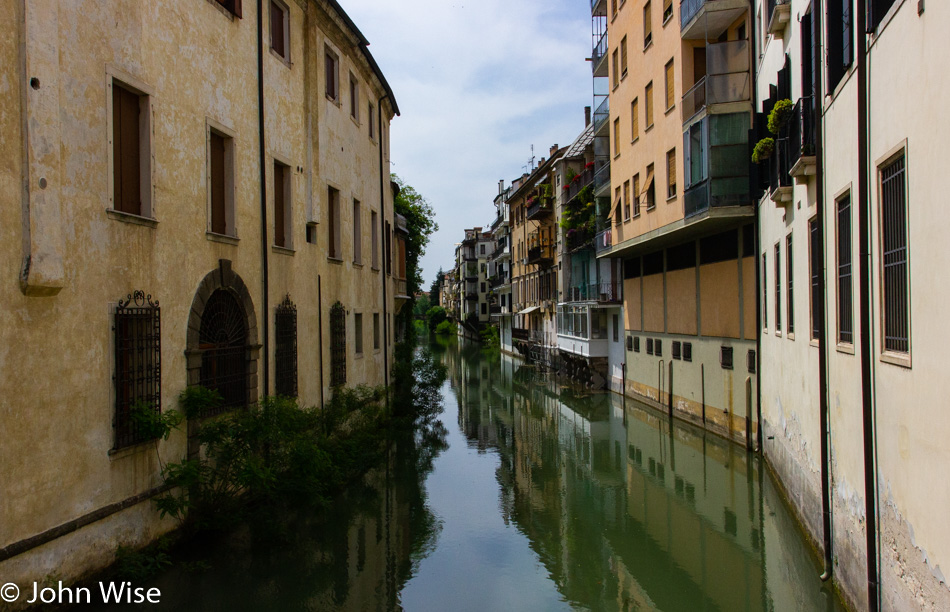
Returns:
(527,495)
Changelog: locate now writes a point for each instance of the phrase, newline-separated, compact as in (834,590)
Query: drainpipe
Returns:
(320,333)
(260,126)
(382,238)
(758,292)
(864,232)
(822,297)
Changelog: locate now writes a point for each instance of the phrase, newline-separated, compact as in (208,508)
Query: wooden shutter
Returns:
(649,103)
(277,41)
(671,172)
(669,85)
(126,151)
(330,67)
(216,185)
(279,204)
(647,24)
(623,56)
(635,119)
(667,8)
(233,6)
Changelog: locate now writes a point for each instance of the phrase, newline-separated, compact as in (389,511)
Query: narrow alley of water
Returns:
(528,495)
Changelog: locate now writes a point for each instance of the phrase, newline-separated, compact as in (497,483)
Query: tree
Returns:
(421,305)
(436,287)
(436,315)
(420,223)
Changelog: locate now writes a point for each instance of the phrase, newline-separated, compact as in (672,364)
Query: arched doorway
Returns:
(222,349)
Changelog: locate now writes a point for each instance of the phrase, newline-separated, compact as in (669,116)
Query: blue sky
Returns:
(477,84)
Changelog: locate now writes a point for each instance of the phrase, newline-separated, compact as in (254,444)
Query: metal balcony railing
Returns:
(579,238)
(688,10)
(601,115)
(580,181)
(541,207)
(603,240)
(519,333)
(471,296)
(599,51)
(801,130)
(728,78)
(602,176)
(604,291)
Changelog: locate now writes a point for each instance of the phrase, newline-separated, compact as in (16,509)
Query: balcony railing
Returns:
(604,291)
(471,296)
(728,78)
(498,280)
(469,255)
(500,247)
(801,130)
(494,309)
(601,115)
(542,207)
(710,29)
(540,254)
(518,333)
(579,238)
(599,51)
(471,272)
(603,240)
(602,176)
(580,181)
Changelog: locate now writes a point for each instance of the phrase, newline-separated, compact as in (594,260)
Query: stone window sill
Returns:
(222,238)
(125,217)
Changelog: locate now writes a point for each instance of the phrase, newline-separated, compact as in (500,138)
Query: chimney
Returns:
(554,148)
(501,186)
(541,163)
(586,116)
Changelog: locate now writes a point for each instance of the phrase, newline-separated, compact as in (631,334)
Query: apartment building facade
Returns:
(680,109)
(851,394)
(185,217)
(499,268)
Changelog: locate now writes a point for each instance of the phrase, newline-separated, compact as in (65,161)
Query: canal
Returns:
(524,494)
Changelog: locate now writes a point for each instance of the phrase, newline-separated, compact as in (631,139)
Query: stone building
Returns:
(193,192)
(851,249)
(678,115)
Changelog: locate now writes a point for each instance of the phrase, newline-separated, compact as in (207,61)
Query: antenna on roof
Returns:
(531,161)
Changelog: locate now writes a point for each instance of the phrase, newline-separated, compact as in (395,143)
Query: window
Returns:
(613,8)
(374,238)
(635,119)
(658,347)
(667,10)
(280,29)
(334,250)
(617,136)
(814,244)
(790,278)
(617,202)
(765,300)
(878,8)
(389,249)
(626,200)
(484,308)
(677,349)
(623,57)
(750,361)
(221,183)
(482,247)
(687,351)
(332,74)
(778,290)
(337,345)
(312,233)
(282,193)
(896,306)
(725,357)
(131,151)
(650,191)
(615,68)
(354,98)
(649,346)
(647,25)
(371,120)
(670,86)
(648,95)
(616,319)
(839,34)
(137,330)
(232,6)
(629,343)
(222,338)
(358,333)
(845,292)
(636,195)
(671,173)
(636,344)
(357,233)
(376,331)
(285,348)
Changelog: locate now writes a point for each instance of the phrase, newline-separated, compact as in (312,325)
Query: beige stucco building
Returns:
(174,213)
(868,380)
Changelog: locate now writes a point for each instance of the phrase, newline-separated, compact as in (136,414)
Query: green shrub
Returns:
(763,150)
(445,328)
(780,115)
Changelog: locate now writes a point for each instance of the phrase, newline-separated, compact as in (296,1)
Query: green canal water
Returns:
(525,494)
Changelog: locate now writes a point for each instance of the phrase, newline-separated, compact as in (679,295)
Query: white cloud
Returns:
(477,84)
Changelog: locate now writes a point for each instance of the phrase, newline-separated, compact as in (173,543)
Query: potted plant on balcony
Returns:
(778,118)
(763,150)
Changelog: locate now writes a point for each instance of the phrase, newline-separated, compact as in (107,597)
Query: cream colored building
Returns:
(162,227)
(680,101)
(885,329)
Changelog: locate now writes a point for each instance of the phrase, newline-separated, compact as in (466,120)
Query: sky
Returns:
(477,83)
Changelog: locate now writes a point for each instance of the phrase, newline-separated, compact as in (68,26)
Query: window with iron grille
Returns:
(285,341)
(725,357)
(677,349)
(790,279)
(765,300)
(138,366)
(778,289)
(750,361)
(845,291)
(815,258)
(687,351)
(649,346)
(222,339)
(894,250)
(337,345)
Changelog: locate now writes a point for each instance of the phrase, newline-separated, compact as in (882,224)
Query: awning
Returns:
(529,310)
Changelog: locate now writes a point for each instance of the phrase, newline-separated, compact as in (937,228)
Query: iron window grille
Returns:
(138,366)
(677,349)
(687,351)
(790,278)
(750,361)
(222,339)
(894,247)
(285,348)
(337,345)
(816,262)
(725,357)
(845,309)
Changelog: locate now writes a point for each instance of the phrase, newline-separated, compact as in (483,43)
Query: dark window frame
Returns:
(137,379)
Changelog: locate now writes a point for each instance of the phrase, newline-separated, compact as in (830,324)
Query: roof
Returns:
(582,142)
(363,45)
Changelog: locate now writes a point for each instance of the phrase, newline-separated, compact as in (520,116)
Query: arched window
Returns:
(223,342)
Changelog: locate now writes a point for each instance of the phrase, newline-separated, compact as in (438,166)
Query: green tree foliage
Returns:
(434,288)
(420,222)
(436,315)
(421,305)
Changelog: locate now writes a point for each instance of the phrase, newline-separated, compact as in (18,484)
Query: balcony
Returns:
(598,57)
(801,140)
(602,176)
(494,309)
(470,237)
(402,288)
(708,19)
(501,247)
(518,333)
(469,255)
(598,8)
(498,280)
(471,273)
(728,80)
(580,181)
(540,249)
(609,291)
(578,239)
(780,15)
(540,208)
(471,296)
(717,164)
(601,115)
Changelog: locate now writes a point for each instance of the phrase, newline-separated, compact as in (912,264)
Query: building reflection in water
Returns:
(634,513)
